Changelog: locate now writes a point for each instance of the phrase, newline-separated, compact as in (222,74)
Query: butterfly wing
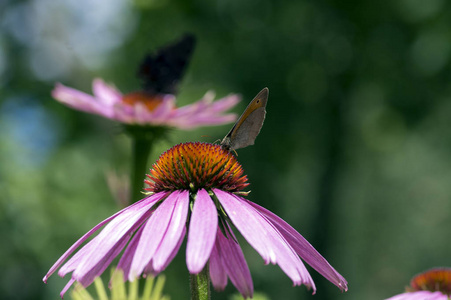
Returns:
(162,71)
(248,126)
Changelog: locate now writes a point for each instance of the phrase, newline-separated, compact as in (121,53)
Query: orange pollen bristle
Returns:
(151,101)
(194,166)
(433,280)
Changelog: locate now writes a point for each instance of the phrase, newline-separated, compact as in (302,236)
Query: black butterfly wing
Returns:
(162,71)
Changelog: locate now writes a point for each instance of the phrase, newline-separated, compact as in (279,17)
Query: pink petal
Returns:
(79,100)
(235,264)
(202,120)
(109,238)
(126,259)
(141,114)
(193,108)
(202,232)
(105,94)
(124,113)
(204,112)
(149,268)
(225,103)
(218,274)
(264,238)
(174,231)
(164,110)
(86,274)
(257,239)
(66,287)
(303,248)
(86,278)
(60,261)
(207,98)
(420,295)
(143,203)
(153,233)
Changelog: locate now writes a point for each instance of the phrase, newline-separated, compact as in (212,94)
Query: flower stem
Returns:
(141,151)
(143,138)
(200,285)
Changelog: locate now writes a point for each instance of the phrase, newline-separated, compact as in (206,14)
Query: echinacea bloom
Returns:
(434,284)
(196,189)
(144,108)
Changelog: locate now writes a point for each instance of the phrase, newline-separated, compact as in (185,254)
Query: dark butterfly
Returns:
(163,70)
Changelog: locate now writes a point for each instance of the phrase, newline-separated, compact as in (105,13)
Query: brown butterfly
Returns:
(248,126)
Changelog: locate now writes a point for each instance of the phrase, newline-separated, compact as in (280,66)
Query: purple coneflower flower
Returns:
(434,284)
(146,108)
(196,189)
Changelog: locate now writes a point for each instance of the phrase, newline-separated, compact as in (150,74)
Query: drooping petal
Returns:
(124,263)
(66,287)
(85,278)
(303,248)
(110,237)
(86,264)
(106,94)
(264,238)
(138,205)
(60,261)
(420,295)
(174,231)
(149,268)
(248,225)
(218,273)
(202,232)
(235,264)
(153,233)
(97,270)
(126,259)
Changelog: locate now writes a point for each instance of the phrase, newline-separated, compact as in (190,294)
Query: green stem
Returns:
(200,285)
(141,151)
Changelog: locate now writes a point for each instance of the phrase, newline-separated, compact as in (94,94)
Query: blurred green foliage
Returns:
(355,151)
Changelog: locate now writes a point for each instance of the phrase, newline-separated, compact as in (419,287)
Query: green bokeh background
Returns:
(355,151)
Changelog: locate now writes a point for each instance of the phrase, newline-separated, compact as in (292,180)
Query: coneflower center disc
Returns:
(147,99)
(193,166)
(433,280)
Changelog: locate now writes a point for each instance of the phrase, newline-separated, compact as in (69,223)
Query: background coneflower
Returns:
(142,108)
